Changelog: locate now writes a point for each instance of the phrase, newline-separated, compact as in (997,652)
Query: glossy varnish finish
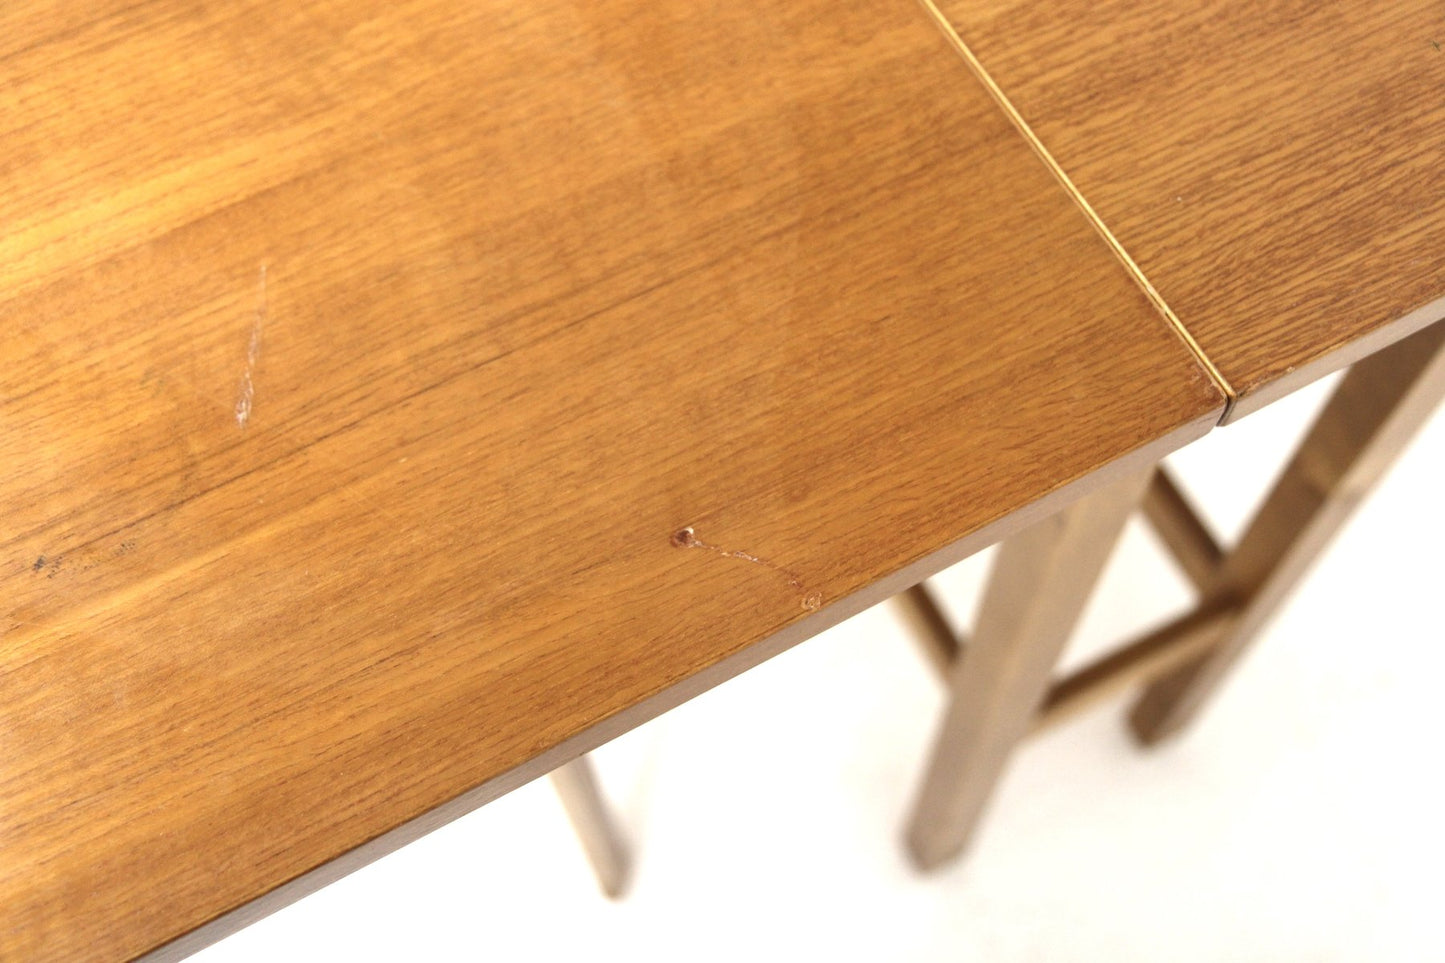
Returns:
(363,361)
(1274,168)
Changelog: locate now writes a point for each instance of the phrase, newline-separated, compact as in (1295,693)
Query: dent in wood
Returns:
(687,538)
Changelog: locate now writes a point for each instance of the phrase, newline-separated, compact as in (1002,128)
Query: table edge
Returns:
(1250,399)
(284,894)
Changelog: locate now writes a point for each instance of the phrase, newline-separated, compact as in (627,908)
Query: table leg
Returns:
(1041,580)
(576,785)
(1372,415)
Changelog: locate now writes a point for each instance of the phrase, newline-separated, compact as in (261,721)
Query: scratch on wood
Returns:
(253,354)
(687,538)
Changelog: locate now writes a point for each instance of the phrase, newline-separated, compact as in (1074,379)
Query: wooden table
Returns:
(364,361)
(1270,174)
(399,400)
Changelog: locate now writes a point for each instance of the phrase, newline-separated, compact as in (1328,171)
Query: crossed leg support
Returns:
(1000,681)
(1040,581)
(1377,408)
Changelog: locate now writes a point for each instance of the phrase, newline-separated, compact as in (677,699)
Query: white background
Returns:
(1300,820)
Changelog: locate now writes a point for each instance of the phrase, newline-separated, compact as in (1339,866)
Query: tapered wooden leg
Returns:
(1370,418)
(576,785)
(1041,580)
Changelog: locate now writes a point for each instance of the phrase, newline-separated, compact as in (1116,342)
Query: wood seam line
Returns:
(1063,178)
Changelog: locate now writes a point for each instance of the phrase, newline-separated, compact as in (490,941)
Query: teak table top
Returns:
(1276,169)
(364,360)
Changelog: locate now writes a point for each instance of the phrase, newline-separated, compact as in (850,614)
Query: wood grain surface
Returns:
(1274,166)
(363,363)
